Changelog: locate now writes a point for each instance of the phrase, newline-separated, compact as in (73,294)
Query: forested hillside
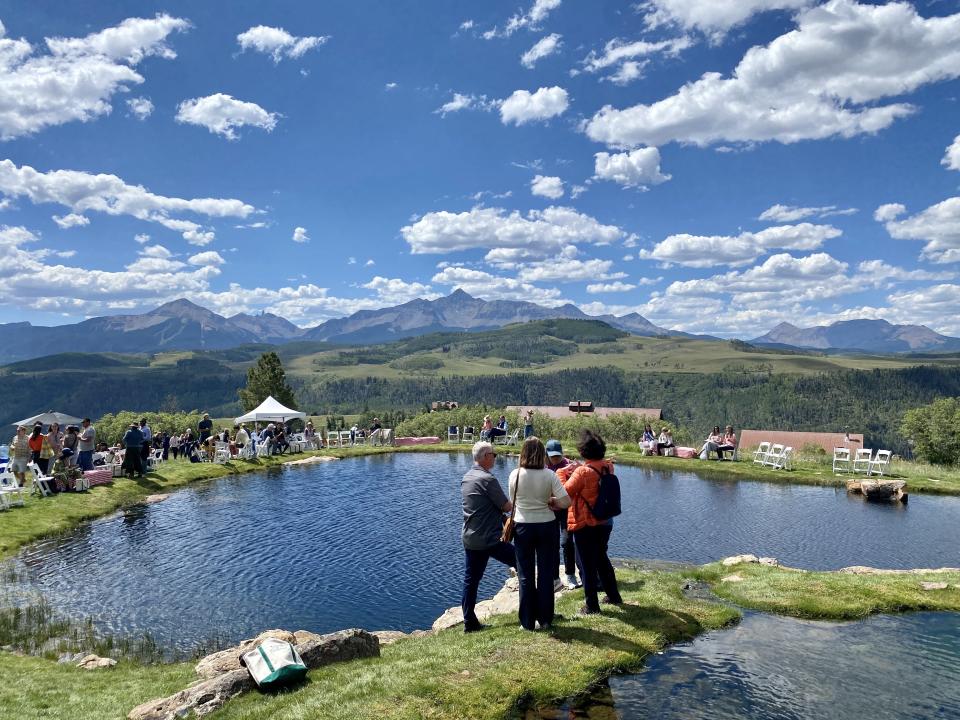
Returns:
(868,401)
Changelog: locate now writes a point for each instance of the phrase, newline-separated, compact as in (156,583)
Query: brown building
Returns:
(797,440)
(560,412)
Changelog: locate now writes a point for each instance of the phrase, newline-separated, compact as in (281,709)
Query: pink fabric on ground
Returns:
(416,441)
(686,452)
(101,476)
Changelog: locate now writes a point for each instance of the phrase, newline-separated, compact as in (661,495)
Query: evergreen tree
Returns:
(266,378)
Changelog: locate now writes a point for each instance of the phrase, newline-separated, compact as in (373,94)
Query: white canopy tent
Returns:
(270,411)
(50,417)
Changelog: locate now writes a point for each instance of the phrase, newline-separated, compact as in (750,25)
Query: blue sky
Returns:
(716,165)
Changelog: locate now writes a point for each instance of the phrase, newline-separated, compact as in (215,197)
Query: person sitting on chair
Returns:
(648,443)
(501,428)
(728,443)
(665,441)
(712,444)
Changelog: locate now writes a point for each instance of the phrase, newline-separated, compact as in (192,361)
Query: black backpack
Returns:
(608,498)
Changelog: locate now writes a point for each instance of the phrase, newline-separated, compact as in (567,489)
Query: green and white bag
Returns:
(274,663)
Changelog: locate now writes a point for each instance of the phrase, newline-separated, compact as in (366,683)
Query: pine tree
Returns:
(267,378)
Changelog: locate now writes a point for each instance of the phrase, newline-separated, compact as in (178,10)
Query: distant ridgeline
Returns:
(867,401)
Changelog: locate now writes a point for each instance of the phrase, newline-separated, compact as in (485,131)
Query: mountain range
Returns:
(182,325)
(878,336)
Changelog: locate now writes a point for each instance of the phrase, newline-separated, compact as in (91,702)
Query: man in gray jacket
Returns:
(483,506)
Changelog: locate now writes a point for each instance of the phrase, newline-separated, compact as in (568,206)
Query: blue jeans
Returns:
(596,570)
(85,460)
(474,566)
(566,544)
(537,547)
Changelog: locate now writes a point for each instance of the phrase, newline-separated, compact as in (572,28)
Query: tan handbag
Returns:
(508,526)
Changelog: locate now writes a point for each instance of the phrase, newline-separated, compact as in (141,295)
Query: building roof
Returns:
(827,440)
(559,412)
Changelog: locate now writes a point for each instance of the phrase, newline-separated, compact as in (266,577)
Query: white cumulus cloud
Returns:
(711,17)
(523,106)
(791,213)
(951,160)
(827,78)
(545,47)
(83,192)
(394,291)
(938,226)
(223,114)
(545,232)
(210,258)
(624,55)
(495,287)
(547,186)
(300,235)
(77,77)
(140,107)
(532,19)
(612,287)
(638,168)
(742,249)
(278,43)
(72,220)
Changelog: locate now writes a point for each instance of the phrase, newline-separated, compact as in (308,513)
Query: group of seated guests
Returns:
(489,431)
(717,442)
(657,445)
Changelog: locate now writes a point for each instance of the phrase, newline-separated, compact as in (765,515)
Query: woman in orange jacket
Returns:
(590,536)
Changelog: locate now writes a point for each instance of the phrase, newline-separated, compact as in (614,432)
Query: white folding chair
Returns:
(467,435)
(841,459)
(247,452)
(263,448)
(345,438)
(861,462)
(880,463)
(333,439)
(783,461)
(453,433)
(760,454)
(221,453)
(9,488)
(773,456)
(42,484)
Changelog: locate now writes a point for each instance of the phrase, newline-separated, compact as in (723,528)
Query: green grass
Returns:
(493,674)
(830,595)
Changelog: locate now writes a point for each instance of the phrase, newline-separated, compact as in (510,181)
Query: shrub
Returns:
(934,431)
(111,427)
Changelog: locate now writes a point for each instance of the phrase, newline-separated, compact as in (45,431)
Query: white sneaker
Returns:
(570,582)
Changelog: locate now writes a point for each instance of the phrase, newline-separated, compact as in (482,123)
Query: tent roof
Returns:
(50,417)
(270,411)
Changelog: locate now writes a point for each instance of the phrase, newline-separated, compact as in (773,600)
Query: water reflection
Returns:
(374,542)
(770,668)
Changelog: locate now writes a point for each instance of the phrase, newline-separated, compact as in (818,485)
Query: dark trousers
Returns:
(595,567)
(131,461)
(474,566)
(85,459)
(145,452)
(566,545)
(537,550)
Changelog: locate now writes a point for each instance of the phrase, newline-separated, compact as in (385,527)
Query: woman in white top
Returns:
(536,493)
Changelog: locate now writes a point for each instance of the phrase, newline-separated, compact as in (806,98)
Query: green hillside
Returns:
(698,383)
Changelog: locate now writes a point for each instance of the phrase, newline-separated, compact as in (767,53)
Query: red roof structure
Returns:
(560,412)
(797,440)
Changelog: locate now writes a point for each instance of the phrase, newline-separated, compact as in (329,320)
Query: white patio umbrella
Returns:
(48,417)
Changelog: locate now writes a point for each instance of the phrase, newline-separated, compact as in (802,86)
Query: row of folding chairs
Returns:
(342,439)
(862,461)
(774,456)
(455,435)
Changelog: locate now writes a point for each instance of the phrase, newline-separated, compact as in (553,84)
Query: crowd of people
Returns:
(552,501)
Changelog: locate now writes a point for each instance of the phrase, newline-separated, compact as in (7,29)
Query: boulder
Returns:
(933,585)
(338,647)
(737,559)
(388,637)
(152,499)
(229,659)
(95,662)
(771,561)
(201,699)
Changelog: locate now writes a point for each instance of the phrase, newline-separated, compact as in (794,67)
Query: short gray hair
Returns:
(480,449)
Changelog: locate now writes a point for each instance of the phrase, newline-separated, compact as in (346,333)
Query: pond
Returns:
(776,668)
(374,542)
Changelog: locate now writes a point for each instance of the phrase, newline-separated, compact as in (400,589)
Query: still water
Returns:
(887,667)
(374,542)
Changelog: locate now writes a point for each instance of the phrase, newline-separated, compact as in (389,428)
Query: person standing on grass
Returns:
(205,428)
(537,494)
(483,506)
(87,442)
(590,535)
(528,424)
(20,455)
(147,442)
(563,468)
(133,444)
(70,441)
